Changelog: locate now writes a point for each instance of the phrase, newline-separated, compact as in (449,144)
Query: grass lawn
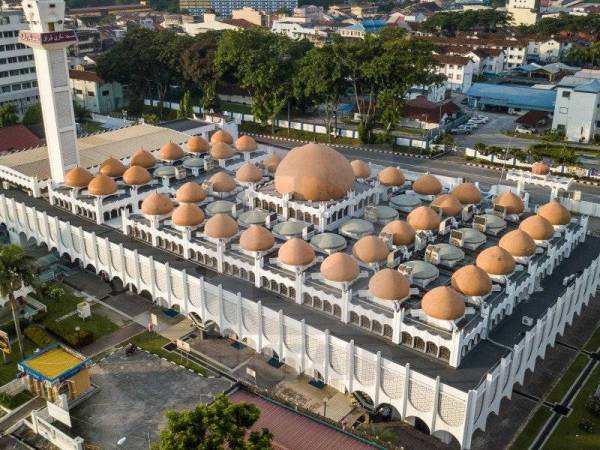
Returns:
(154,343)
(594,342)
(411,131)
(532,428)
(9,370)
(89,126)
(567,379)
(236,107)
(249,127)
(567,435)
(14,401)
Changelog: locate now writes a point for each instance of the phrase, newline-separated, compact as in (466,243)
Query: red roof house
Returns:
(17,137)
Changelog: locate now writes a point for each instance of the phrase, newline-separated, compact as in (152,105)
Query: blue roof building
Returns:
(482,95)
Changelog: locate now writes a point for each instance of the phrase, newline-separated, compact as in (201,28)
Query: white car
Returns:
(523,130)
(483,118)
(477,121)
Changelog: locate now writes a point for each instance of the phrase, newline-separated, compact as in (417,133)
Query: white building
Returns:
(211,22)
(18,83)
(486,60)
(548,50)
(95,94)
(458,71)
(524,12)
(577,108)
(299,31)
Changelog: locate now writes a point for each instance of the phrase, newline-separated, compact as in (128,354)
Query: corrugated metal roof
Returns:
(513,96)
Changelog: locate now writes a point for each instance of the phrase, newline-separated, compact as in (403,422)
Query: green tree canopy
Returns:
(214,426)
(585,56)
(451,22)
(33,115)
(8,115)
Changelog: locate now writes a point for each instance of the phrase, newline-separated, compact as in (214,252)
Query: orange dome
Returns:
(517,243)
(471,281)
(221,136)
(248,173)
(142,158)
(245,144)
(555,213)
(102,185)
(360,168)
(467,193)
(423,218)
(314,172)
(537,227)
(370,249)
(220,226)
(157,204)
(136,176)
(170,152)
(496,261)
(449,204)
(190,192)
(510,201)
(257,239)
(389,284)
(339,267)
(187,215)
(222,182)
(197,144)
(427,185)
(443,303)
(221,150)
(391,176)
(271,162)
(402,233)
(296,252)
(112,168)
(78,177)
(540,168)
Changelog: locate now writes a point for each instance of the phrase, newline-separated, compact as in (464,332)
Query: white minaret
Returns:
(49,43)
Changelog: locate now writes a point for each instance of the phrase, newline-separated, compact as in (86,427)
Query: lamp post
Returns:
(325,407)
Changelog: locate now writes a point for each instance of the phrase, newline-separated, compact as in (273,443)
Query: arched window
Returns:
(365,322)
(432,349)
(419,344)
(376,327)
(337,311)
(317,303)
(354,318)
(307,299)
(327,307)
(407,339)
(388,332)
(445,353)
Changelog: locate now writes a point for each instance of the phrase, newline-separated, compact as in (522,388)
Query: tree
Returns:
(322,78)
(81,112)
(16,269)
(451,22)
(33,115)
(8,115)
(185,106)
(263,63)
(585,56)
(218,425)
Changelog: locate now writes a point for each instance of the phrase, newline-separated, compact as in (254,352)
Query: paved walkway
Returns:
(24,412)
(111,340)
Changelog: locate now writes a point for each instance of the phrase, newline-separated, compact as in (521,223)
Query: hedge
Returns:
(38,336)
(75,339)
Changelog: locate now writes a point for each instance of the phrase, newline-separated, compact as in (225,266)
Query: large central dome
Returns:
(314,172)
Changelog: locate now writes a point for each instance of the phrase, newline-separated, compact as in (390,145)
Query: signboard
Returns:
(371,213)
(59,414)
(180,172)
(405,270)
(4,342)
(83,310)
(185,346)
(251,372)
(55,37)
(480,223)
(500,211)
(153,319)
(432,254)
(456,238)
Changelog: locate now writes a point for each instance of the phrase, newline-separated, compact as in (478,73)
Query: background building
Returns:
(225,7)
(18,84)
(95,94)
(524,12)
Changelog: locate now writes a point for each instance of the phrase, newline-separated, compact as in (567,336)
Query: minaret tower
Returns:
(49,43)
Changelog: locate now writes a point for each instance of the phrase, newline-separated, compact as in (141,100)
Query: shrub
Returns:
(76,339)
(586,425)
(593,404)
(38,336)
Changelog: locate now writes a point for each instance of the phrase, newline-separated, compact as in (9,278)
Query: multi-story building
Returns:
(577,108)
(210,22)
(315,34)
(458,71)
(225,7)
(18,83)
(95,94)
(547,50)
(253,16)
(523,12)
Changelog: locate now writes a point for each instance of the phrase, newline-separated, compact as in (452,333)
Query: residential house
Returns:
(523,12)
(211,23)
(256,17)
(17,137)
(95,94)
(422,113)
(315,34)
(458,71)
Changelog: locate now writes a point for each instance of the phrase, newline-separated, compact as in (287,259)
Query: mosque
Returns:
(425,293)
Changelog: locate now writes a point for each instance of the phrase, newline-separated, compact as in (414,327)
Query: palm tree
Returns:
(16,269)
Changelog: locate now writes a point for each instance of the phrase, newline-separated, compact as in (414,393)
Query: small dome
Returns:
(402,233)
(257,239)
(443,303)
(157,205)
(221,150)
(102,185)
(314,172)
(449,204)
(222,182)
(197,144)
(537,227)
(170,152)
(328,242)
(190,192)
(471,281)
(512,202)
(517,243)
(245,144)
(360,168)
(339,267)
(467,193)
(136,176)
(427,185)
(555,213)
(423,218)
(391,176)
(495,261)
(540,168)
(112,167)
(370,249)
(389,284)
(221,136)
(142,158)
(220,226)
(296,252)
(78,177)
(248,173)
(187,215)
(271,162)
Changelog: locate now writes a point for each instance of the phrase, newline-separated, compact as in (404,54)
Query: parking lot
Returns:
(134,394)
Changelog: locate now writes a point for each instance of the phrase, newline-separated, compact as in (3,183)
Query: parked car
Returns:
(477,120)
(523,130)
(460,131)
(482,118)
(470,126)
